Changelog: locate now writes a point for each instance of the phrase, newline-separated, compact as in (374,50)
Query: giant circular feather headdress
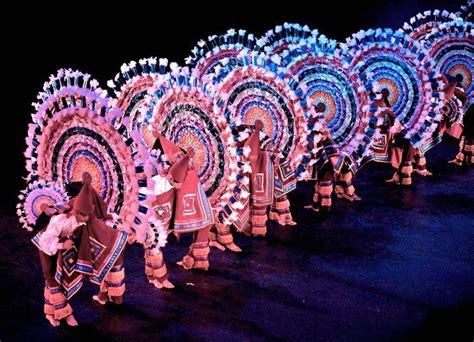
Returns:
(394,64)
(72,132)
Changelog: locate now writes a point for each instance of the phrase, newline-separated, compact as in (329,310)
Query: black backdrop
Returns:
(39,39)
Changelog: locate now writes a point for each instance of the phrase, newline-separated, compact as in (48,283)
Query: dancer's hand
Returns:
(68,244)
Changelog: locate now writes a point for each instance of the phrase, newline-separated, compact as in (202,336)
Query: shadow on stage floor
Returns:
(397,265)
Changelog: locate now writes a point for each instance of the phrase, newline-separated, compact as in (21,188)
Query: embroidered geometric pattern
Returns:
(69,260)
(96,248)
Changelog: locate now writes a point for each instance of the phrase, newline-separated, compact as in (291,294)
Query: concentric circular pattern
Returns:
(252,92)
(189,127)
(326,103)
(72,133)
(324,84)
(397,79)
(458,68)
(452,47)
(83,159)
(456,59)
(34,196)
(453,113)
(404,71)
(185,115)
(133,95)
(135,81)
(77,144)
(257,111)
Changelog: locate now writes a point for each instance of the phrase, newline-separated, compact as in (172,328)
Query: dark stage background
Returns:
(43,38)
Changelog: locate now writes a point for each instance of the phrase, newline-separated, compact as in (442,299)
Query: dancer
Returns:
(56,305)
(401,150)
(453,99)
(161,195)
(112,287)
(73,245)
(100,228)
(192,213)
(261,183)
(327,165)
(220,234)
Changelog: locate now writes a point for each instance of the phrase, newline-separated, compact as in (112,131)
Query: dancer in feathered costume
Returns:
(284,177)
(183,111)
(161,199)
(261,182)
(252,90)
(112,287)
(181,204)
(327,163)
(323,80)
(451,46)
(447,39)
(450,123)
(193,212)
(394,63)
(401,151)
(73,132)
(68,254)
(56,306)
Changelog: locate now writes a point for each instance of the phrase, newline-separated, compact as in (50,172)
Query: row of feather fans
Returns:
(231,80)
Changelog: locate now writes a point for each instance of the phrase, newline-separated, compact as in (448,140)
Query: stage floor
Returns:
(399,264)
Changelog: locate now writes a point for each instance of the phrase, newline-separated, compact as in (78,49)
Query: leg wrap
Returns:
(316,196)
(283,208)
(460,156)
(155,267)
(468,151)
(198,256)
(55,303)
(325,191)
(344,182)
(405,173)
(273,214)
(224,234)
(420,161)
(258,217)
(114,283)
(200,252)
